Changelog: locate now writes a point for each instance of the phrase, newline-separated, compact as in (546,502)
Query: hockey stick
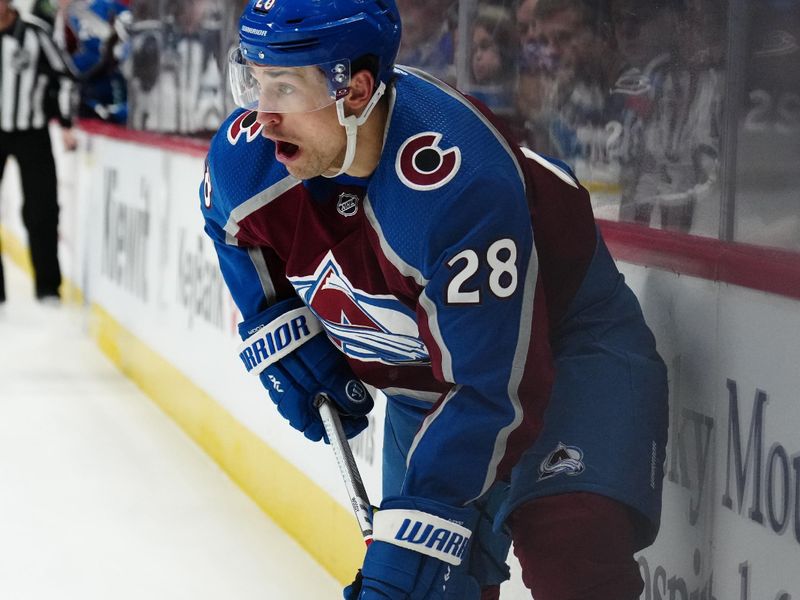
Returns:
(347,465)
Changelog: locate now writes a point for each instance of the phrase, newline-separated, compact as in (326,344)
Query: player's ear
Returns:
(362,84)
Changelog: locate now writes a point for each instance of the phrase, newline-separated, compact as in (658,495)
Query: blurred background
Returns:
(676,114)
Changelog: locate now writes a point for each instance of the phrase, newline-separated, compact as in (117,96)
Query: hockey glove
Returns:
(420,551)
(286,347)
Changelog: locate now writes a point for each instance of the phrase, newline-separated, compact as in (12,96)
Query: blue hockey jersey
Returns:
(447,276)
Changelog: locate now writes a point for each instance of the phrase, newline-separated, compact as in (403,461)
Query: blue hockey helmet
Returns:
(329,34)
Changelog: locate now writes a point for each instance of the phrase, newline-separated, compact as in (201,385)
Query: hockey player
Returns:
(94,33)
(376,226)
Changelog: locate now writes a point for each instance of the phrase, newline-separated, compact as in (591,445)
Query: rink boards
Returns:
(132,247)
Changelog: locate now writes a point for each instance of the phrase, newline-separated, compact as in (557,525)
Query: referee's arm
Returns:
(53,64)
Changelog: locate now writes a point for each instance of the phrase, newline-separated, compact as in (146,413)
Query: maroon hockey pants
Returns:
(576,546)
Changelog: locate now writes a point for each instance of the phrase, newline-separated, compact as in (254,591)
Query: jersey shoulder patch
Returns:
(243,126)
(424,165)
(241,162)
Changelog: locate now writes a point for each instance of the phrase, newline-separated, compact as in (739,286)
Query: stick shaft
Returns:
(347,466)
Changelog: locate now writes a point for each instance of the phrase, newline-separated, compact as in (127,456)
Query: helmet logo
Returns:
(264,6)
(422,165)
(245,124)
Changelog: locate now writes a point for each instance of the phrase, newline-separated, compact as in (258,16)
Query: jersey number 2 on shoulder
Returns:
(501,257)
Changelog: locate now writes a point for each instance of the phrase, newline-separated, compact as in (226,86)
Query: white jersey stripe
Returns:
(517,368)
(260,200)
(563,176)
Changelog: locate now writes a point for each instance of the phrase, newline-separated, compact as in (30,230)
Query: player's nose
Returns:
(268,119)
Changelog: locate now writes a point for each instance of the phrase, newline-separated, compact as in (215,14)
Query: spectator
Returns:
(429,37)
(573,38)
(669,115)
(575,41)
(38,79)
(533,82)
(494,58)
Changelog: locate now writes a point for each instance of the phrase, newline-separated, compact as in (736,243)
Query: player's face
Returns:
(309,144)
(288,90)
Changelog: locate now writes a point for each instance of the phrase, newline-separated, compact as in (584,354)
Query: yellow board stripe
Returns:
(322,526)
(15,250)
(18,252)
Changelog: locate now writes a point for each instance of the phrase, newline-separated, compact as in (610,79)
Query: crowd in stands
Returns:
(630,93)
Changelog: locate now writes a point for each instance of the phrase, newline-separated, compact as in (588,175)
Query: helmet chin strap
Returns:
(351,125)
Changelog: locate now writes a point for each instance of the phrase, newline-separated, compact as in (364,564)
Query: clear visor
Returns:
(267,88)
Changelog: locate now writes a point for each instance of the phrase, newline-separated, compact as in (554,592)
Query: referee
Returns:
(35,85)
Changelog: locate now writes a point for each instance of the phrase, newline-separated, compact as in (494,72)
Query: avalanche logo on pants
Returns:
(365,326)
(564,459)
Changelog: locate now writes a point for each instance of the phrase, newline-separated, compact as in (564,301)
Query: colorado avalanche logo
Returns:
(365,326)
(244,124)
(422,165)
(564,459)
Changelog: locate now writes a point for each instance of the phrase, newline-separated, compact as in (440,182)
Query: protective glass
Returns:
(268,88)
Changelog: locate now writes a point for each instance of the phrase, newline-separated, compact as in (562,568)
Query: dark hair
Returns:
(368,62)
(594,13)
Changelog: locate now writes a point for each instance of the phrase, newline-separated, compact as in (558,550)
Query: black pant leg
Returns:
(3,158)
(2,278)
(40,207)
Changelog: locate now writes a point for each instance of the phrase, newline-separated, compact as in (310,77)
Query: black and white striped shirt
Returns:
(35,82)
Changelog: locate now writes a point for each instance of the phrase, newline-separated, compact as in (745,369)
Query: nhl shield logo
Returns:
(347,205)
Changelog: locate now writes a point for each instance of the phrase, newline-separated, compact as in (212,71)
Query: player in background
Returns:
(374,225)
(94,33)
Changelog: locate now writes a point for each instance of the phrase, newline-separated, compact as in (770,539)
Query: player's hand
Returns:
(420,551)
(301,362)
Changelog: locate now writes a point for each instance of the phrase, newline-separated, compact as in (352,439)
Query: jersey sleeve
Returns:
(253,273)
(55,65)
(478,317)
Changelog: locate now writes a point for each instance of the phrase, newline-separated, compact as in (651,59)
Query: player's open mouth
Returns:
(286,151)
